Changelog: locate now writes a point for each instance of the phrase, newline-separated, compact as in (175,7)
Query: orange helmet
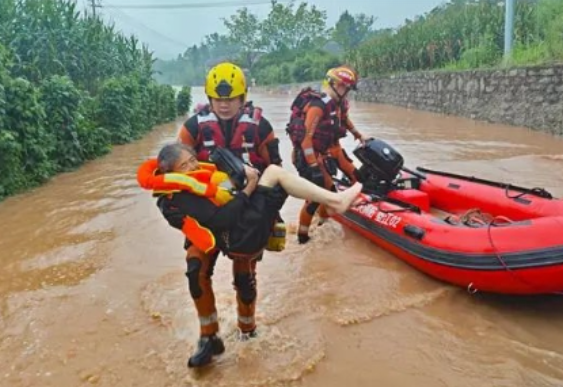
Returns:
(343,74)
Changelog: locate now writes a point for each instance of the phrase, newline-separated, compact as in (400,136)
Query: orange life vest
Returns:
(329,129)
(244,141)
(204,182)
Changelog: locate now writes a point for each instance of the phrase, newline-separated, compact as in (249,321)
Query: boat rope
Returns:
(476,218)
(490,225)
(537,191)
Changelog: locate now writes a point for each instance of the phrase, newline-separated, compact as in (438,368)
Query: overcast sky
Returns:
(169,31)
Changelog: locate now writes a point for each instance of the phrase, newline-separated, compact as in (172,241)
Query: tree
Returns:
(221,46)
(244,28)
(350,31)
(289,29)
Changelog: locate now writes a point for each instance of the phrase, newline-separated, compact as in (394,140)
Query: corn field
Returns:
(465,34)
(70,87)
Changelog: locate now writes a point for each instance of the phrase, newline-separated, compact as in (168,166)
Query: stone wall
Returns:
(529,97)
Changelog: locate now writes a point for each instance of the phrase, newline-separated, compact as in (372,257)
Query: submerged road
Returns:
(93,289)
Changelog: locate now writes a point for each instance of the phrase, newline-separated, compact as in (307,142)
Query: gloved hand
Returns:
(316,176)
(227,162)
(276,241)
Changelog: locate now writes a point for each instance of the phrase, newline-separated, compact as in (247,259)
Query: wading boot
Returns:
(207,347)
(245,336)
(303,238)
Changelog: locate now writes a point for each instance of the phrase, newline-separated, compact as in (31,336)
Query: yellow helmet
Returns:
(225,80)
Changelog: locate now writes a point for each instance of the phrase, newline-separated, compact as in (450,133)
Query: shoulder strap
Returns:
(305,96)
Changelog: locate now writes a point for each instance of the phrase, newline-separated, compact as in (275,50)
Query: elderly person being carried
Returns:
(200,200)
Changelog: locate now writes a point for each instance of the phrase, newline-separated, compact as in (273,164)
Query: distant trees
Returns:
(287,46)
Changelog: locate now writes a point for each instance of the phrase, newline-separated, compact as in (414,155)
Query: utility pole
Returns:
(95,4)
(508,28)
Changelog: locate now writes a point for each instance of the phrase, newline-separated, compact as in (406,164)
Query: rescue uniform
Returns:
(252,139)
(240,229)
(325,123)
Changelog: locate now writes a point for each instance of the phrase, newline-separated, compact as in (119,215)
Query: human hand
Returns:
(362,138)
(252,174)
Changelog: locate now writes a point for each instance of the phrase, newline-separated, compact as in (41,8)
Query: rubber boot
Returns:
(245,336)
(207,347)
(303,238)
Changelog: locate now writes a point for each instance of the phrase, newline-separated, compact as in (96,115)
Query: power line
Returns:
(95,4)
(141,25)
(220,4)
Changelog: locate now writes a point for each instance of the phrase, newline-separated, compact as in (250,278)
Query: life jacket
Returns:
(245,139)
(206,182)
(329,129)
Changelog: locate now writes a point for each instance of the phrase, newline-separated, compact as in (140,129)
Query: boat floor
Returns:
(439,213)
(472,218)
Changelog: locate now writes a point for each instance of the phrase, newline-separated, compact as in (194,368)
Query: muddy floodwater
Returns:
(93,290)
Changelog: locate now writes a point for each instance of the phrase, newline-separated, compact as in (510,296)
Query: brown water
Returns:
(93,290)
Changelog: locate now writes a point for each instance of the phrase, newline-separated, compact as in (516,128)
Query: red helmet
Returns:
(344,75)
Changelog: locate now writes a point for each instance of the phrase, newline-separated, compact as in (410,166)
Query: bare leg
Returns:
(303,189)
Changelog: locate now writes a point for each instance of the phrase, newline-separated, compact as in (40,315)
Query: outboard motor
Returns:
(381,165)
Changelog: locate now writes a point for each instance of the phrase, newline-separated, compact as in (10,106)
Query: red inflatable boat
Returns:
(479,234)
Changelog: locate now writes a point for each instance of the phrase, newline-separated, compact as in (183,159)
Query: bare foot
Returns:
(347,199)
(360,200)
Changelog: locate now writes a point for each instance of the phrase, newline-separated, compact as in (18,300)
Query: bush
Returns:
(61,101)
(296,66)
(26,122)
(184,101)
(77,87)
(94,139)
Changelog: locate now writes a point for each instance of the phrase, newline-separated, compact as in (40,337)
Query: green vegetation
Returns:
(184,100)
(70,88)
(465,34)
(292,44)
